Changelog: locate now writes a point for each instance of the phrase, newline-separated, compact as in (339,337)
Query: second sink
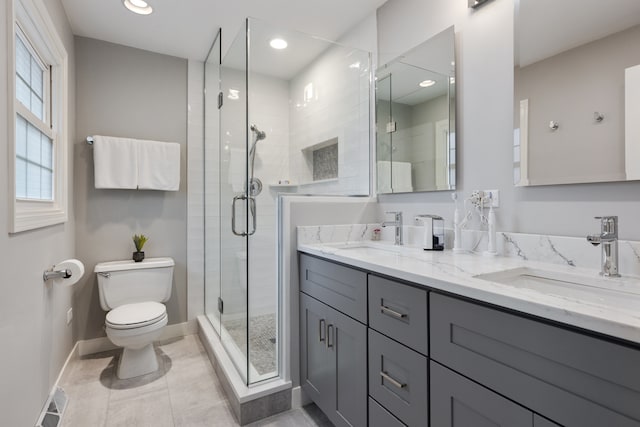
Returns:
(572,287)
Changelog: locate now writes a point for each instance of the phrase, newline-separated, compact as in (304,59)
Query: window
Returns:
(39,122)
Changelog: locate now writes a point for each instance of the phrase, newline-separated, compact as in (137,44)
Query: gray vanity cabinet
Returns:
(333,345)
(459,402)
(571,378)
(429,359)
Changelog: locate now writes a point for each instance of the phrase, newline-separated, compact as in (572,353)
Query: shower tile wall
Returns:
(269,110)
(330,99)
(269,101)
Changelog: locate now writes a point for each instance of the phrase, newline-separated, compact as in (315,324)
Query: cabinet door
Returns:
(317,363)
(347,342)
(459,402)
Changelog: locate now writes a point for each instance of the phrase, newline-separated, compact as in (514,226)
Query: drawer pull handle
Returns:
(393,381)
(329,336)
(387,310)
(321,329)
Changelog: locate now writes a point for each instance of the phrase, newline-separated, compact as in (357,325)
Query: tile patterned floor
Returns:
(185,391)
(262,340)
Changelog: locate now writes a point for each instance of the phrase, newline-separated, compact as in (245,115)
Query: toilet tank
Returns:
(128,282)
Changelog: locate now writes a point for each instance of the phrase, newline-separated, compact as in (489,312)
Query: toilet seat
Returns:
(137,315)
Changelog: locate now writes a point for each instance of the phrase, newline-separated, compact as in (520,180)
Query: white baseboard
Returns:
(299,398)
(98,345)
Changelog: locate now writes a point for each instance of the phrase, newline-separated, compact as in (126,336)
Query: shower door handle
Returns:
(252,207)
(233,215)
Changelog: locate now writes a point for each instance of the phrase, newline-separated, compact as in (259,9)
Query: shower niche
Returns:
(293,119)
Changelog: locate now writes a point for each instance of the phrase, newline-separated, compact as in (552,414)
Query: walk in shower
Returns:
(285,113)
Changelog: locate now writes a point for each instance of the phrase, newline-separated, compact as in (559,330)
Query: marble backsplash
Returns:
(563,250)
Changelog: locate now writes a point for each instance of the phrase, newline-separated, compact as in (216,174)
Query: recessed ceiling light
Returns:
(427,83)
(278,43)
(140,7)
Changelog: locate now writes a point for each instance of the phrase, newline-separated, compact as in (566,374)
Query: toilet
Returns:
(133,294)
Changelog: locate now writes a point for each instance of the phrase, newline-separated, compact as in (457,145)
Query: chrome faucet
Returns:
(397,224)
(608,237)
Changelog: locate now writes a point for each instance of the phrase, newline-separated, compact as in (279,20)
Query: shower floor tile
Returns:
(185,391)
(262,340)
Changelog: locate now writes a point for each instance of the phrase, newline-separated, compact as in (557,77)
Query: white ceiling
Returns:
(186,28)
(405,82)
(282,64)
(547,27)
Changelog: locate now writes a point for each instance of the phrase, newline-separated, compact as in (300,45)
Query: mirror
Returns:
(415,119)
(576,91)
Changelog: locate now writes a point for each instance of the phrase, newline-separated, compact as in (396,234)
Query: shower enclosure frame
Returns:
(243,141)
(243,225)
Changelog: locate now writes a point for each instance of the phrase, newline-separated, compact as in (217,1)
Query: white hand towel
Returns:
(158,165)
(115,162)
(401,177)
(400,174)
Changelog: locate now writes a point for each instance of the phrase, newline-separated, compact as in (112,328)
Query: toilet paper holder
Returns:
(56,274)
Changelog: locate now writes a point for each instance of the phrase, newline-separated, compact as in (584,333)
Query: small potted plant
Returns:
(139,241)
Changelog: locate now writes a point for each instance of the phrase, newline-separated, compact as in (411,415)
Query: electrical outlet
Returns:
(69,316)
(492,198)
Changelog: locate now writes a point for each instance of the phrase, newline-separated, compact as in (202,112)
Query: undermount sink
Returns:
(367,246)
(573,287)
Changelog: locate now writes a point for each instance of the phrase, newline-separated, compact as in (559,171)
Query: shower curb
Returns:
(249,404)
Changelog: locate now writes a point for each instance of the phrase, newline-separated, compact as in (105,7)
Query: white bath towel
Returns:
(158,165)
(115,162)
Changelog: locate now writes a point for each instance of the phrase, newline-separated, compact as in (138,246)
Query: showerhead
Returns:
(260,135)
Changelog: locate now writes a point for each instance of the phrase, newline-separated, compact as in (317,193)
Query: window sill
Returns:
(32,219)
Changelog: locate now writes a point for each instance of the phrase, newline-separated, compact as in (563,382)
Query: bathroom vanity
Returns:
(393,337)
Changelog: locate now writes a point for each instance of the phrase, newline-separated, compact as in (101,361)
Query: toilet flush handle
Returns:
(107,275)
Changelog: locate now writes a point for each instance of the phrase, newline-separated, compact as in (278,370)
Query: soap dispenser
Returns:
(433,239)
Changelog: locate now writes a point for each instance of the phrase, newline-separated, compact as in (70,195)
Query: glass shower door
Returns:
(234,205)
(211,198)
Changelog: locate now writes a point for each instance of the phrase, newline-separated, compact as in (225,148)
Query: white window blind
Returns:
(34,143)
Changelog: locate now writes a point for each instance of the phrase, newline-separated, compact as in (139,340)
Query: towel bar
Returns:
(90,140)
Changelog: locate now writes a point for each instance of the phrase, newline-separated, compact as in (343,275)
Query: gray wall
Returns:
(569,88)
(484,43)
(129,92)
(33,331)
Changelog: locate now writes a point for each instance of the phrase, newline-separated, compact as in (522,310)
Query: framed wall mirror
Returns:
(415,119)
(576,91)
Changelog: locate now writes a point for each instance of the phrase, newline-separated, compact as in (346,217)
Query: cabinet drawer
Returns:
(398,379)
(459,402)
(380,417)
(571,378)
(342,288)
(399,311)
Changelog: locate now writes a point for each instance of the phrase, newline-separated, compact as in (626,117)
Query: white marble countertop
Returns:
(611,308)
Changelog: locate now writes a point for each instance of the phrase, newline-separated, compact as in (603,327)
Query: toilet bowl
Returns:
(133,294)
